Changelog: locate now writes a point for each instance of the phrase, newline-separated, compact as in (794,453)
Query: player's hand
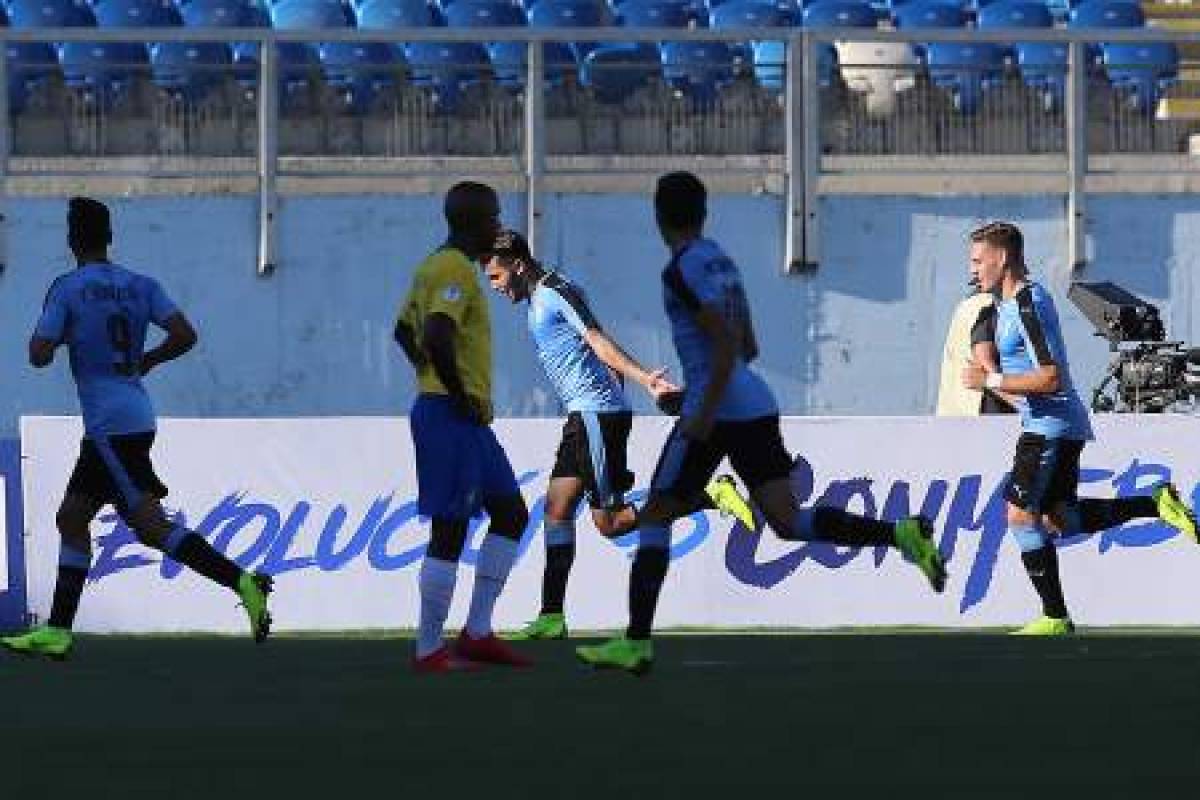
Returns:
(974,376)
(469,408)
(698,429)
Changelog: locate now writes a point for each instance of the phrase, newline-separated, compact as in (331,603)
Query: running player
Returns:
(728,411)
(1055,427)
(445,331)
(585,367)
(100,312)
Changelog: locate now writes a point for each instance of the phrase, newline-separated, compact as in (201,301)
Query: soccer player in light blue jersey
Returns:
(586,368)
(1042,490)
(728,412)
(101,312)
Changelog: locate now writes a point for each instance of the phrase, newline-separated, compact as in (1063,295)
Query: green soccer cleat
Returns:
(45,641)
(1173,511)
(632,655)
(1047,626)
(546,626)
(729,501)
(253,588)
(914,537)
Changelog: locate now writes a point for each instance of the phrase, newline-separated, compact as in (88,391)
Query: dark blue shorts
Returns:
(460,465)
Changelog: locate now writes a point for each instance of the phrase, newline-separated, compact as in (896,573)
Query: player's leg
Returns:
(558,530)
(448,487)
(508,518)
(1071,515)
(74,559)
(684,468)
(761,459)
(1040,470)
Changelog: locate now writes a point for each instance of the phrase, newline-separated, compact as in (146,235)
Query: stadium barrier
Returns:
(328,507)
(12,539)
(964,108)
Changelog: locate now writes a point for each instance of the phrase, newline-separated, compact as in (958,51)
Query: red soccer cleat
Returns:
(442,661)
(489,650)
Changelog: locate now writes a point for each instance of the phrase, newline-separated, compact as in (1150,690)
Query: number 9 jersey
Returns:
(100,312)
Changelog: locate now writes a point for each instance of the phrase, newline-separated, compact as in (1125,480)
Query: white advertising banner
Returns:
(328,506)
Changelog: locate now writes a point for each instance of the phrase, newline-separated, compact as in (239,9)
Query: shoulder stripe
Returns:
(673,279)
(1033,327)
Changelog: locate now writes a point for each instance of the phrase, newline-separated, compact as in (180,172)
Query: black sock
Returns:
(1100,515)
(197,554)
(842,527)
(645,581)
(67,591)
(559,558)
(1042,566)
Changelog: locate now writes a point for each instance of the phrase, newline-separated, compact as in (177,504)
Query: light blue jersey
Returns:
(559,319)
(1028,335)
(702,275)
(101,312)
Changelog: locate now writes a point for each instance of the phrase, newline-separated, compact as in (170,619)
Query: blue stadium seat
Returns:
(361,71)
(699,69)
(298,60)
(614,72)
(50,14)
(967,69)
(1015,14)
(654,14)
(29,64)
(190,69)
(788,7)
(386,14)
(1143,70)
(1043,67)
(508,58)
(929,14)
(105,70)
(136,14)
(569,14)
(1107,14)
(446,68)
(840,14)
(217,14)
(749,14)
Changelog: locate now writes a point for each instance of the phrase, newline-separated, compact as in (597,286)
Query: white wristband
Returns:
(994,380)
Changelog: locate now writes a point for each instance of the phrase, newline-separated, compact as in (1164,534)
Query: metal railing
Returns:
(806,154)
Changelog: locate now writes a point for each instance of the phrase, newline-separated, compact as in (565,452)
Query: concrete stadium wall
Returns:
(863,335)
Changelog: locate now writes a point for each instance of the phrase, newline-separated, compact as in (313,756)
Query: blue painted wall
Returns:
(861,336)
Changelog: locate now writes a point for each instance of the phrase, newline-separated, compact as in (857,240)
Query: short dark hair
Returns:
(680,201)
(89,224)
(1004,236)
(464,202)
(510,246)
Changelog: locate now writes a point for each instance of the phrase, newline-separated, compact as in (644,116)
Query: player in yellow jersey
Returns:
(445,331)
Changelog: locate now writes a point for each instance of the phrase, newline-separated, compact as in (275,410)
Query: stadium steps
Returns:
(1182,102)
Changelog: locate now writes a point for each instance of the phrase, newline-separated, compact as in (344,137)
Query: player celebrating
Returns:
(445,331)
(584,365)
(101,312)
(1041,493)
(728,411)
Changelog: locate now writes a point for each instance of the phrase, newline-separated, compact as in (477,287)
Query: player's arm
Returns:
(406,337)
(1043,378)
(50,329)
(983,349)
(181,337)
(438,341)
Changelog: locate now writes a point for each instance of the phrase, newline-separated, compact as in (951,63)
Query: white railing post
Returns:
(811,169)
(535,143)
(1077,155)
(793,156)
(268,153)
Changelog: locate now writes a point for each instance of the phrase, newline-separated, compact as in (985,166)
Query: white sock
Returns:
(437,591)
(496,556)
